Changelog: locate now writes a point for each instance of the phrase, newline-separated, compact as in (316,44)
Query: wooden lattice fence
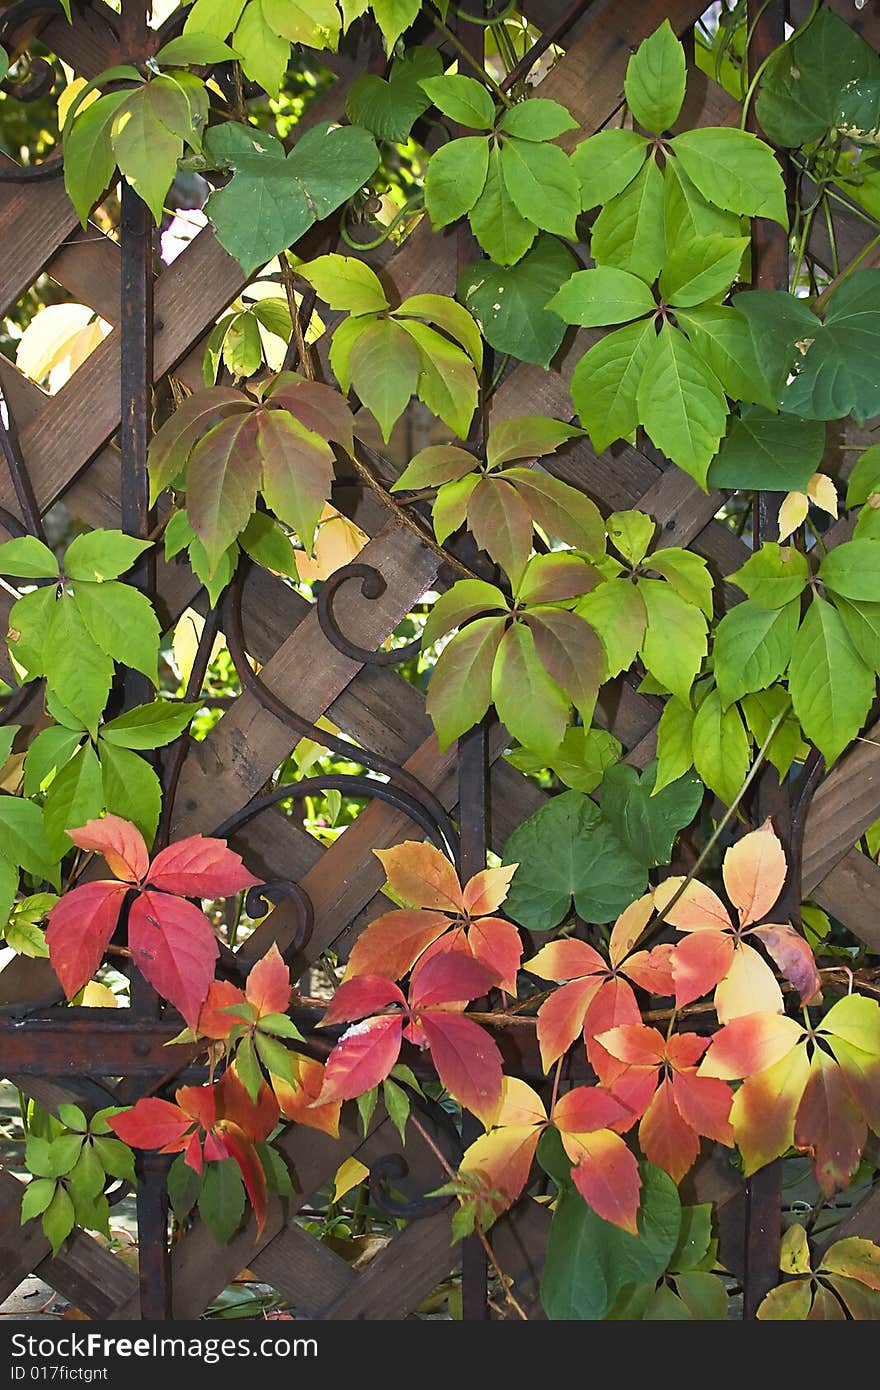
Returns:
(70,448)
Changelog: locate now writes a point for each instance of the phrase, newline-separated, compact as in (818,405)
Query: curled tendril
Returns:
(19,26)
(265,895)
(372,587)
(392,1168)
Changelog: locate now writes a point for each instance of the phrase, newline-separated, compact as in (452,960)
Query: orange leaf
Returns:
(585,1109)
(214,1022)
(566,960)
(666,1137)
(698,908)
(704,1104)
(503,1158)
(699,962)
(748,987)
(268,984)
(629,927)
(393,942)
(256,1119)
(467,1061)
(750,1044)
(239,1147)
(606,1175)
(561,1017)
(754,871)
(498,946)
(422,876)
(152,1124)
(296,1102)
(652,970)
(634,1044)
(120,842)
(362,1058)
(764,1109)
(614,1005)
(486,891)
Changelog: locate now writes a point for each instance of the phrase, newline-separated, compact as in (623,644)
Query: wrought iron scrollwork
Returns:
(19,26)
(372,587)
(393,1168)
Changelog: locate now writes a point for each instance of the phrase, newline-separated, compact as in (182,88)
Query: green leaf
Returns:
(274,1056)
(616,610)
(674,664)
(455,179)
(527,700)
(604,385)
(50,750)
(724,340)
(265,53)
(838,374)
(196,50)
(75,796)
(311,22)
(701,269)
(344,282)
(831,687)
(398,1107)
(674,743)
(121,621)
(655,80)
(385,367)
(266,541)
(462,99)
(23,836)
(604,295)
(553,1158)
(606,163)
(862,622)
(460,689)
(864,480)
(852,570)
(115,1157)
(145,149)
(753,647)
(223,476)
(579,761)
(131,788)
(149,726)
(694,1237)
(79,671)
(504,234)
(27,558)
(36,1197)
(543,185)
(452,318)
(721,747)
(703,1295)
(272,200)
(687,573)
(447,381)
(688,214)
(87,1177)
(778,322)
(64,1151)
(99,555)
(58,1219)
(390,109)
(786,746)
(465,600)
(509,302)
(29,621)
(681,403)
(590,1260)
(89,160)
(4,62)
(242,347)
(631,534)
(630,232)
(278,1177)
(248,1068)
(812,82)
(646,819)
(22,936)
(774,575)
(734,170)
(537,119)
(568,850)
(221,1199)
(366,1105)
(184,1184)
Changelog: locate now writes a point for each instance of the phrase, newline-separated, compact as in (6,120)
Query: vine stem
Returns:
(469,57)
(409,521)
(288,280)
(481,1235)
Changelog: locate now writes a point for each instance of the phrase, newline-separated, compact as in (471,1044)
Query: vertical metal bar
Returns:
(763,1205)
(136,383)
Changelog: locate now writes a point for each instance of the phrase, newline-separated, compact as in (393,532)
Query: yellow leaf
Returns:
(348,1175)
(97,996)
(11,772)
(337,542)
(57,340)
(822,492)
(794,1252)
(185,642)
(69,95)
(792,513)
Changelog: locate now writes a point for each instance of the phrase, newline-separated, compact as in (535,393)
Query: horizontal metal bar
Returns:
(49,1046)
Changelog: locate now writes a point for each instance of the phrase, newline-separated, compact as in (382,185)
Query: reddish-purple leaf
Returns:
(501,524)
(794,958)
(174,948)
(80,927)
(171,444)
(319,407)
(120,842)
(200,867)
(360,997)
(222,481)
(297,471)
(468,1062)
(362,1058)
(449,976)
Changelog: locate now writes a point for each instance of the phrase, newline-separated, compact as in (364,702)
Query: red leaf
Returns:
(214,1022)
(652,970)
(704,1103)
(684,1050)
(750,1044)
(588,1108)
(666,1138)
(120,842)
(561,1017)
(614,1005)
(152,1124)
(200,867)
(393,942)
(606,1175)
(634,1044)
(486,891)
(829,1127)
(449,977)
(319,407)
(361,1059)
(268,984)
(634,1088)
(497,945)
(174,948)
(794,958)
(256,1120)
(422,876)
(239,1147)
(193,1155)
(467,1060)
(360,997)
(200,1103)
(699,962)
(80,927)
